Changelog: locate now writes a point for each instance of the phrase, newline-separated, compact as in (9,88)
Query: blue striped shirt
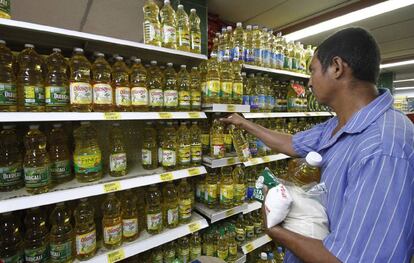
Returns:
(368,168)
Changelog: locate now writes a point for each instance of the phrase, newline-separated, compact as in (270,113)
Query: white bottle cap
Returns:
(166,2)
(180,7)
(249,27)
(57,125)
(137,60)
(183,66)
(213,55)
(99,54)
(170,64)
(2,42)
(34,126)
(239,24)
(193,10)
(29,45)
(229,28)
(195,68)
(314,159)
(78,49)
(153,62)
(56,50)
(263,256)
(119,58)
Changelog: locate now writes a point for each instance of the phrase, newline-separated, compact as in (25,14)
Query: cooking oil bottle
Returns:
(257,45)
(226,188)
(80,82)
(149,149)
(184,201)
(223,246)
(239,185)
(129,215)
(102,90)
(10,160)
(205,137)
(183,248)
(237,88)
(226,81)
(308,54)
(5,9)
(85,230)
(62,238)
(228,39)
(183,83)
(289,55)
(155,90)
(60,168)
(152,33)
(30,83)
(11,240)
(308,170)
(239,39)
(249,227)
(87,157)
(249,46)
(240,231)
(171,215)
(217,147)
(170,88)
(36,162)
(184,146)
(36,239)
(8,91)
(139,90)
(195,33)
(200,188)
(168,26)
(195,88)
(120,82)
(57,83)
(118,164)
(169,254)
(111,222)
(195,246)
(196,150)
(212,81)
(211,191)
(153,210)
(240,143)
(258,223)
(231,237)
(228,140)
(183,29)
(169,148)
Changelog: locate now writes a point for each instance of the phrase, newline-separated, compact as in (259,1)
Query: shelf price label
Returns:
(254,161)
(166,177)
(231,108)
(193,171)
(111,116)
(193,227)
(194,114)
(165,115)
(112,187)
(231,161)
(116,255)
(266,159)
(249,248)
(230,212)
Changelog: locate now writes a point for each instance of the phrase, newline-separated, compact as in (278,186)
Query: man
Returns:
(368,158)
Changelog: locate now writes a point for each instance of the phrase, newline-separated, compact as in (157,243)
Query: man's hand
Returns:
(235,119)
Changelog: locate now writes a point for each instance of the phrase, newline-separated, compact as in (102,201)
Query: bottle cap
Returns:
(183,66)
(180,7)
(100,54)
(193,10)
(29,45)
(170,64)
(119,58)
(35,126)
(137,60)
(279,249)
(213,55)
(56,50)
(249,27)
(2,42)
(314,159)
(271,256)
(229,28)
(239,24)
(57,125)
(153,62)
(166,2)
(263,256)
(78,49)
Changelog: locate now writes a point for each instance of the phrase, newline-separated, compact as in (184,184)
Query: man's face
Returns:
(320,82)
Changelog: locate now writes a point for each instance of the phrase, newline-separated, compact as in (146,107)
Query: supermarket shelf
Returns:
(253,206)
(137,177)
(266,159)
(96,116)
(147,241)
(275,71)
(18,32)
(259,115)
(216,163)
(217,215)
(225,108)
(241,258)
(258,242)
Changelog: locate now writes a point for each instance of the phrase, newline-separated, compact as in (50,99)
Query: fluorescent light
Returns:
(396,64)
(349,18)
(403,80)
(404,88)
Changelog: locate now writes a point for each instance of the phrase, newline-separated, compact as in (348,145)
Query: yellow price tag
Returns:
(308,114)
(116,255)
(193,171)
(193,227)
(194,114)
(266,159)
(230,212)
(231,161)
(254,161)
(249,247)
(231,108)
(165,115)
(112,187)
(112,116)
(166,177)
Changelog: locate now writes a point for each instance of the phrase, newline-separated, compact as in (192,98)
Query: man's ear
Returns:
(337,67)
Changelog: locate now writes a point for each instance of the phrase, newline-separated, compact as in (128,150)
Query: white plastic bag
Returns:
(278,203)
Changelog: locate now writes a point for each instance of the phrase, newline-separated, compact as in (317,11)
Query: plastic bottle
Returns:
(184,201)
(195,33)
(5,9)
(249,227)
(250,183)
(240,231)
(226,81)
(289,55)
(212,81)
(183,29)
(195,89)
(308,171)
(237,88)
(239,185)
(11,160)
(228,140)
(217,147)
(261,92)
(152,32)
(8,89)
(30,84)
(214,49)
(120,82)
(249,46)
(139,90)
(168,26)
(232,243)
(257,45)
(169,254)
(171,215)
(153,210)
(57,83)
(36,162)
(278,52)
(280,255)
(228,38)
(80,82)
(226,188)
(222,246)
(155,90)
(200,188)
(170,88)
(195,246)
(60,169)
(129,214)
(308,54)
(254,98)
(246,90)
(196,148)
(265,52)
(184,146)
(36,239)
(183,83)
(103,94)
(211,191)
(149,148)
(11,249)
(87,157)
(111,222)
(85,230)
(202,68)
(240,143)
(208,246)
(118,161)
(239,39)
(183,250)
(221,45)
(62,238)
(169,148)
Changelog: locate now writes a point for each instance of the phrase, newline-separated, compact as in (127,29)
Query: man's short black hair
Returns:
(357,47)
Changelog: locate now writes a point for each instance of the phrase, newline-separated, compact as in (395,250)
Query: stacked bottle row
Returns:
(170,28)
(261,47)
(267,255)
(30,82)
(76,229)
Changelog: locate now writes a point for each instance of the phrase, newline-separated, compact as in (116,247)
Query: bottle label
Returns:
(184,98)
(281,105)
(139,96)
(154,221)
(11,175)
(102,94)
(146,156)
(195,41)
(118,162)
(213,88)
(279,59)
(184,208)
(295,103)
(183,37)
(156,97)
(233,250)
(80,93)
(184,153)
(238,53)
(240,234)
(112,234)
(56,96)
(34,95)
(151,31)
(196,152)
(61,252)
(129,227)
(210,250)
(168,157)
(246,100)
(195,252)
(205,139)
(37,255)
(85,164)
(218,151)
(249,55)
(211,193)
(258,228)
(226,89)
(237,89)
(184,255)
(172,216)
(8,94)
(226,193)
(122,96)
(18,258)
(5,6)
(249,231)
(60,169)
(262,101)
(227,139)
(257,55)
(86,243)
(36,176)
(287,64)
(168,34)
(299,89)
(239,192)
(171,98)
(222,254)
(195,98)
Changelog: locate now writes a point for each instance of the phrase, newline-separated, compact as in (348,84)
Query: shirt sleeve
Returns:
(309,140)
(376,224)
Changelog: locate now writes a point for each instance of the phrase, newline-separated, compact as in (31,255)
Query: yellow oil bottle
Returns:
(196,149)
(228,140)
(168,26)
(184,201)
(36,239)
(195,89)
(222,246)
(111,222)
(149,154)
(195,246)
(103,94)
(249,227)
(240,143)
(152,33)
(5,9)
(183,248)
(155,89)
(239,181)
(169,148)
(226,188)
(217,147)
(171,214)
(226,81)
(205,137)
(184,146)
(183,83)
(80,89)
(169,254)
(8,89)
(231,237)
(183,29)
(130,230)
(195,32)
(240,231)
(11,160)
(118,161)
(212,81)
(153,210)
(170,88)
(85,230)
(120,82)
(60,168)
(57,83)
(202,68)
(12,248)
(211,192)
(237,88)
(139,90)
